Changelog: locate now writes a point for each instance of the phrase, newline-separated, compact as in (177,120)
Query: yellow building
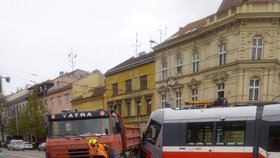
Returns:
(233,53)
(87,93)
(130,88)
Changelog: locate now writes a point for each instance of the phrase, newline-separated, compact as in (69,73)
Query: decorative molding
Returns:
(127,100)
(178,86)
(163,59)
(222,39)
(148,96)
(138,98)
(193,84)
(219,77)
(194,49)
(163,89)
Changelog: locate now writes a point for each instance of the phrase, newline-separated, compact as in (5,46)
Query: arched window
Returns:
(254,88)
(257,48)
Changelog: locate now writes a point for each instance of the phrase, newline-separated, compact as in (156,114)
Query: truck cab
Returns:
(70,132)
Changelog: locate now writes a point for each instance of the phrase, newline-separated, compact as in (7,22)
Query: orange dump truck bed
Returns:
(132,137)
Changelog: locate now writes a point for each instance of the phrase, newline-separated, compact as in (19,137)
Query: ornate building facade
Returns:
(233,53)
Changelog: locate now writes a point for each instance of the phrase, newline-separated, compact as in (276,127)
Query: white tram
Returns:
(231,132)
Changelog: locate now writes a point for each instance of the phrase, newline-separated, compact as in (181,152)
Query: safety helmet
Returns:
(92,142)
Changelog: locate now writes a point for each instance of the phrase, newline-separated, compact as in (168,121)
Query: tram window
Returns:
(274,139)
(199,133)
(152,132)
(230,133)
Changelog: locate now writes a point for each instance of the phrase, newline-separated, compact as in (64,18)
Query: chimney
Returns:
(61,73)
(141,53)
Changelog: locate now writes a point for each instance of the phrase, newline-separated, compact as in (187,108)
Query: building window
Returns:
(194,94)
(119,109)
(138,107)
(222,54)
(257,48)
(199,134)
(51,101)
(195,62)
(128,86)
(163,101)
(149,106)
(115,89)
(143,82)
(178,99)
(230,133)
(164,70)
(59,101)
(179,65)
(67,98)
(221,90)
(254,89)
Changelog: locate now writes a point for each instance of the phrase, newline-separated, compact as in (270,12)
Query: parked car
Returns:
(1,155)
(9,145)
(28,146)
(16,145)
(42,146)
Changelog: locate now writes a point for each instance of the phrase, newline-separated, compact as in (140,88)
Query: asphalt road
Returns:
(22,154)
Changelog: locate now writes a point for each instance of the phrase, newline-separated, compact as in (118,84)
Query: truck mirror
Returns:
(143,138)
(106,131)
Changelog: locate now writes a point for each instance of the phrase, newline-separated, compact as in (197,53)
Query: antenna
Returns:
(137,44)
(160,34)
(165,34)
(72,57)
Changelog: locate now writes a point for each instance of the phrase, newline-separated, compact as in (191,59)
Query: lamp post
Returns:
(8,79)
(3,110)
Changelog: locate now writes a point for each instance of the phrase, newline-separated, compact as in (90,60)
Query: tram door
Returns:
(152,141)
(273,140)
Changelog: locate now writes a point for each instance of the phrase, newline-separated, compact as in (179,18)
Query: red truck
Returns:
(69,134)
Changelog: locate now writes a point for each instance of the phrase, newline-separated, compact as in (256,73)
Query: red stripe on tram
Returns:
(207,155)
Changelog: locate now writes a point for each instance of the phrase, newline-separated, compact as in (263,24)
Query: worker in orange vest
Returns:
(96,149)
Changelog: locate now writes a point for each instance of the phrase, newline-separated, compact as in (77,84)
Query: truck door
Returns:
(151,146)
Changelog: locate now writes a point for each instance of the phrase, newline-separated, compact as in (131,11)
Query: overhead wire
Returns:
(228,52)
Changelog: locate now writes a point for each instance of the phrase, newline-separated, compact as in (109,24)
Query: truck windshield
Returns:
(85,127)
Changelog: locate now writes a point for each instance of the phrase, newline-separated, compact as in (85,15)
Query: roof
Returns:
(226,4)
(78,74)
(131,63)
(191,27)
(209,114)
(196,25)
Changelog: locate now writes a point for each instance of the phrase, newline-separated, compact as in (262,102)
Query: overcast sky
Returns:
(36,36)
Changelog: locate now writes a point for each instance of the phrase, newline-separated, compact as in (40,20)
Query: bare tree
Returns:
(3,115)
